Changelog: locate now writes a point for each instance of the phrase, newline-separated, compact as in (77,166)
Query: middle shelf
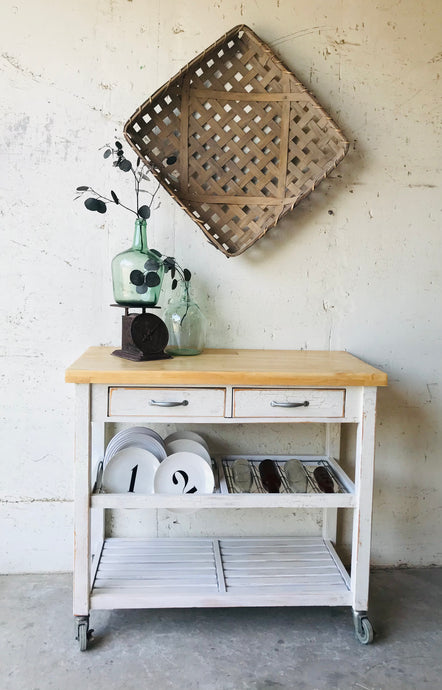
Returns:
(225,495)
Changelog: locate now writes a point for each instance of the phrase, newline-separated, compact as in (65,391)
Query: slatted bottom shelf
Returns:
(206,572)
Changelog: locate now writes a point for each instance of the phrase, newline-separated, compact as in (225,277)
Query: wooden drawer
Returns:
(288,402)
(166,402)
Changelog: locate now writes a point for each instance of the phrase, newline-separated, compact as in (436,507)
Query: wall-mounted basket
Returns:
(236,139)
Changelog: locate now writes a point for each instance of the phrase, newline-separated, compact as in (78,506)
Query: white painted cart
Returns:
(225,387)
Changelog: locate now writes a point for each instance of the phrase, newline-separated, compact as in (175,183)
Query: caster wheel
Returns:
(364,630)
(82,636)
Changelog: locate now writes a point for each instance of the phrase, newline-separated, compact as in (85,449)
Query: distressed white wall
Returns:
(357,266)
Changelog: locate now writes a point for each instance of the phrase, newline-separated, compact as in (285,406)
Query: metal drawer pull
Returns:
(289,404)
(167,403)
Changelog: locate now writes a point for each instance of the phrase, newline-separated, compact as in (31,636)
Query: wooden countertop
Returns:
(229,367)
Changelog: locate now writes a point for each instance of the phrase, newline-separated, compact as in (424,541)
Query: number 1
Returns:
(133,478)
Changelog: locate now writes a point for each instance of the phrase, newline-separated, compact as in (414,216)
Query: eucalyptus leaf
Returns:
(174,283)
(169,263)
(151,265)
(136,277)
(155,251)
(170,160)
(114,197)
(141,289)
(144,212)
(118,145)
(93,204)
(124,165)
(83,188)
(187,275)
(152,279)
(107,153)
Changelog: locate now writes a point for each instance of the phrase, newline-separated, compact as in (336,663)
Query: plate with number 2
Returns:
(184,473)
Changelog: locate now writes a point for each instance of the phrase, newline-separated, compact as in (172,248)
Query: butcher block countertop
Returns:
(229,367)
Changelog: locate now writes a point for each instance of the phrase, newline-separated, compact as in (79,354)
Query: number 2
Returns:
(185,476)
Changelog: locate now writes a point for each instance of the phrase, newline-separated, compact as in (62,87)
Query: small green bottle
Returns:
(186,325)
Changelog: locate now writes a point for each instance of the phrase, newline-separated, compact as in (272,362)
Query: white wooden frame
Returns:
(91,417)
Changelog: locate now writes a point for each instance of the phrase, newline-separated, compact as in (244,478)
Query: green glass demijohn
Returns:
(137,273)
(186,325)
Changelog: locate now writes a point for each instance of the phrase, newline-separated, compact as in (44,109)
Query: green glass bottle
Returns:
(137,273)
(186,325)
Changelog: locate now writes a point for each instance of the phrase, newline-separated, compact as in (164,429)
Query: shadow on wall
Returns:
(317,209)
(406,491)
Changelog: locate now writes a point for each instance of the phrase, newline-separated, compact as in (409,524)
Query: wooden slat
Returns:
(284,143)
(240,199)
(283,97)
(198,501)
(303,595)
(161,584)
(183,158)
(275,582)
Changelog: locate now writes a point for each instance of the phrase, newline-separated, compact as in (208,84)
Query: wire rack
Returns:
(309,465)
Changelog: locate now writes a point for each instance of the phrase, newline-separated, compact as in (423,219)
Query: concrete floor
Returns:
(222,649)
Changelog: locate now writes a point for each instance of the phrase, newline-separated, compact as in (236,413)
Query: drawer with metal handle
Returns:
(166,402)
(288,402)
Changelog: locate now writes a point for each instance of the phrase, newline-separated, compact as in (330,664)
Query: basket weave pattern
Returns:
(247,140)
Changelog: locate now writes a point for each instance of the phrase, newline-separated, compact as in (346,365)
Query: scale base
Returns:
(138,356)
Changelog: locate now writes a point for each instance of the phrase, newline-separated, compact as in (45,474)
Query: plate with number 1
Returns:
(131,470)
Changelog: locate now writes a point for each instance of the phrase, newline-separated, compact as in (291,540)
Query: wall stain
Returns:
(24,70)
(436,58)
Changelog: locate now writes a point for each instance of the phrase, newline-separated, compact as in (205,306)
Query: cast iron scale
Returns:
(143,336)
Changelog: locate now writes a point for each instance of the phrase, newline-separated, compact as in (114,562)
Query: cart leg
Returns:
(81,576)
(363,627)
(332,449)
(364,456)
(84,634)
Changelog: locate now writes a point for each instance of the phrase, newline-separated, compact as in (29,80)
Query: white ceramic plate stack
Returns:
(188,468)
(184,473)
(187,445)
(185,434)
(131,460)
(137,460)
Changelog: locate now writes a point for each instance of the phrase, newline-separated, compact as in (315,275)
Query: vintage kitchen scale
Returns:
(143,335)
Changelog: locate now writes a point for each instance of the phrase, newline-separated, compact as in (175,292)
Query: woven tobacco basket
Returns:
(236,139)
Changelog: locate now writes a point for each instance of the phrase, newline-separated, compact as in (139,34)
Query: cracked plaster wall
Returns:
(356,266)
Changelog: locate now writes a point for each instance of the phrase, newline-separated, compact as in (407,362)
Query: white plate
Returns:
(149,432)
(186,445)
(130,470)
(192,435)
(136,440)
(126,434)
(184,473)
